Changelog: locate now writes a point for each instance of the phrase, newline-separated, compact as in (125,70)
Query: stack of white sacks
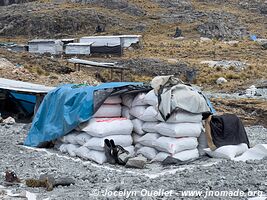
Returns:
(156,139)
(87,141)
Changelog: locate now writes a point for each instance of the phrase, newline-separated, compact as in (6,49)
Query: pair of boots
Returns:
(114,153)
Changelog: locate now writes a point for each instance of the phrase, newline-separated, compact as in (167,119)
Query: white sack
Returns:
(138,126)
(187,155)
(150,127)
(228,151)
(258,152)
(139,100)
(113,100)
(160,157)
(107,110)
(82,138)
(148,152)
(175,145)
(71,148)
(102,127)
(138,146)
(130,149)
(135,137)
(179,129)
(202,143)
(70,138)
(97,156)
(125,112)
(82,152)
(127,100)
(137,111)
(63,148)
(149,115)
(183,117)
(151,98)
(148,139)
(97,143)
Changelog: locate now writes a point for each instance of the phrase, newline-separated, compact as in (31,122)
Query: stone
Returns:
(221,80)
(9,121)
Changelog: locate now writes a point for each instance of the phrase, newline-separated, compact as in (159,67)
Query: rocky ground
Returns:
(92,180)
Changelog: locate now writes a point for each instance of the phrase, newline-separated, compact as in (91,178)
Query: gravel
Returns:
(202,175)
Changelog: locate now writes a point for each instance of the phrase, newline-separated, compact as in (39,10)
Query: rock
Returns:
(9,121)
(251,91)
(222,25)
(226,64)
(264,45)
(205,39)
(221,80)
(232,43)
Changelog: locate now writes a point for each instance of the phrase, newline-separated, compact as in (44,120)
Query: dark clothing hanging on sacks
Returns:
(227,129)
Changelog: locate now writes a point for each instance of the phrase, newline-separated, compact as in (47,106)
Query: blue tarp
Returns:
(27,101)
(63,109)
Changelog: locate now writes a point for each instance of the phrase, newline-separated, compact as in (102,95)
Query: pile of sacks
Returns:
(156,139)
(87,141)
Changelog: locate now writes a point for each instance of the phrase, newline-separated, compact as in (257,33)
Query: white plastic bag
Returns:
(127,100)
(82,152)
(138,146)
(257,152)
(130,149)
(187,155)
(137,111)
(175,145)
(70,138)
(149,115)
(97,156)
(108,110)
(160,157)
(137,126)
(202,143)
(139,100)
(151,98)
(227,151)
(183,117)
(71,148)
(148,139)
(148,152)
(82,138)
(97,143)
(135,137)
(101,127)
(150,127)
(63,148)
(113,100)
(126,113)
(179,129)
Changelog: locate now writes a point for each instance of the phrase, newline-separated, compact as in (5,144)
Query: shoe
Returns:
(109,152)
(119,153)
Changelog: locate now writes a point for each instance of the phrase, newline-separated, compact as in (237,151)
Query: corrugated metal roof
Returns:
(43,40)
(80,44)
(21,86)
(68,39)
(113,36)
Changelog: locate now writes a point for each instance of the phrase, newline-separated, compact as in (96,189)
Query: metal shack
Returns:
(78,48)
(113,40)
(41,46)
(128,40)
